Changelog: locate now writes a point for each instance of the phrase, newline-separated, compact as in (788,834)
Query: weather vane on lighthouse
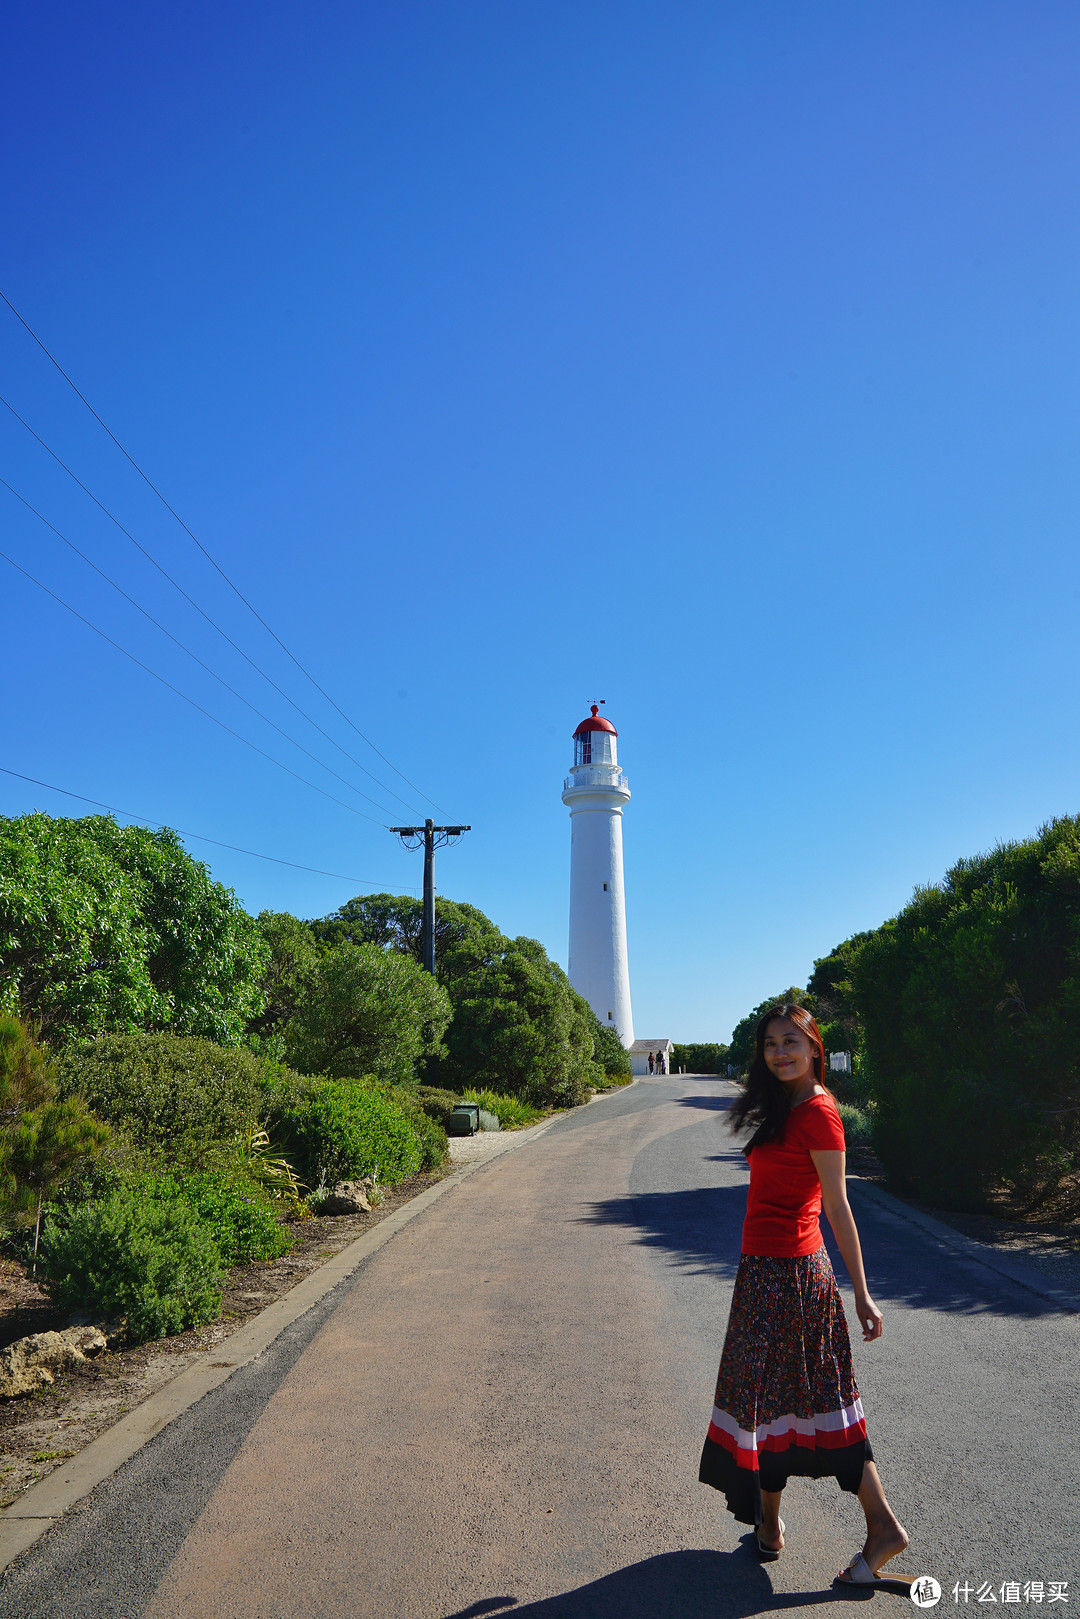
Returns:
(595,792)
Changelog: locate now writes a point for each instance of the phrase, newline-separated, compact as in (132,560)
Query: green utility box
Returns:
(464,1120)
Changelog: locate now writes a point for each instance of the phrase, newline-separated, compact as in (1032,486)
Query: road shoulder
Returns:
(996,1259)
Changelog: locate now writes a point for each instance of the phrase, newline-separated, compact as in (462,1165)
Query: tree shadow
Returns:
(700,1230)
(675,1585)
(712,1104)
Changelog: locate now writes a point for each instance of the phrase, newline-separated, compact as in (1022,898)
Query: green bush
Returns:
(701,1057)
(858,1126)
(520,1025)
(609,1082)
(511,1111)
(143,1257)
(969,1002)
(431,1134)
(366,1010)
(610,1053)
(242,1224)
(347,1128)
(162,1087)
(180,1093)
(437,1103)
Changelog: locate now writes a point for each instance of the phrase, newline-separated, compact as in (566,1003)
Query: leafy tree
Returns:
(744,1035)
(520,1028)
(969,1002)
(289,971)
(464,937)
(831,987)
(609,1051)
(367,1011)
(701,1057)
(104,927)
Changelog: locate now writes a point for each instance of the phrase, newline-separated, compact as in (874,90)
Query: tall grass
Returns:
(511,1112)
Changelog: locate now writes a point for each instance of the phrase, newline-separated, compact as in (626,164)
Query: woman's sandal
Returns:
(859,1572)
(768,1554)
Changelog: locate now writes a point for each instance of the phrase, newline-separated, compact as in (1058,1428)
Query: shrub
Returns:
(701,1057)
(431,1133)
(162,1087)
(437,1103)
(520,1025)
(366,1011)
(609,1082)
(243,1225)
(511,1112)
(347,1128)
(969,1002)
(134,1255)
(858,1126)
(176,1092)
(611,1055)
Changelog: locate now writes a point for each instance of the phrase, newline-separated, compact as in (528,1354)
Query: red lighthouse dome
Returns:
(595,722)
(594,741)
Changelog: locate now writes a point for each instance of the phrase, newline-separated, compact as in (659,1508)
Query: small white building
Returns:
(639,1054)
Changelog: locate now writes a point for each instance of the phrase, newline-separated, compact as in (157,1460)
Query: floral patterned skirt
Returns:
(786,1398)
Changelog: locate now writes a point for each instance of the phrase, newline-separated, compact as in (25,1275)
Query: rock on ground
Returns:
(32,1363)
(347,1197)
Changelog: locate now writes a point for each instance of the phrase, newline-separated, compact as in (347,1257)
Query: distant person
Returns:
(661,1067)
(786,1399)
(652,1063)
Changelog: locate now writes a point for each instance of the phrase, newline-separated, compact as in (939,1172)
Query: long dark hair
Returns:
(764,1103)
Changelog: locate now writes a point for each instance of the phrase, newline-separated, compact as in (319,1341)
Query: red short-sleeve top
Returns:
(784,1201)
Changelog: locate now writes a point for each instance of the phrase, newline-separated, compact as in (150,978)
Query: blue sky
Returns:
(719,360)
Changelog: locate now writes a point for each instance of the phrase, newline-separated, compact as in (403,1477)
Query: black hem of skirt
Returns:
(742,1486)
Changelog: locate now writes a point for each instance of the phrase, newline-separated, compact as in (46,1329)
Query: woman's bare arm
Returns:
(830,1167)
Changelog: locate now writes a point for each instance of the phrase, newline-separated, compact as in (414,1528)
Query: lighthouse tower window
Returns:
(584,749)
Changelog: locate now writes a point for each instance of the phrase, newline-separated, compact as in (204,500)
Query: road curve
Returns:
(502,1412)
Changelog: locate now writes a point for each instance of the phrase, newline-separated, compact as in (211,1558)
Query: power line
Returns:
(205,711)
(130,815)
(130,458)
(194,656)
(191,600)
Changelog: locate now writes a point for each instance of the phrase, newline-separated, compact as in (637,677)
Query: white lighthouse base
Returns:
(598,966)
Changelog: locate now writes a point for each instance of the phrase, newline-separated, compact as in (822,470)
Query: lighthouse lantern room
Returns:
(595,792)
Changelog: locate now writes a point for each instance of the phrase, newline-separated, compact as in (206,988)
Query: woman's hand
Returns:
(870,1316)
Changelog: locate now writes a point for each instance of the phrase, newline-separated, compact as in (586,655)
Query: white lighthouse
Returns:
(595,792)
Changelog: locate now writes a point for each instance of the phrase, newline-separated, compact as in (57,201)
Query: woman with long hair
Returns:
(786,1399)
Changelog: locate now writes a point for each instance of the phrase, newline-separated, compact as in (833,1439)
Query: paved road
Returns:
(502,1413)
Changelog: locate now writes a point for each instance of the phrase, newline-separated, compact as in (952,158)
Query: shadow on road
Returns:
(678,1585)
(701,1229)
